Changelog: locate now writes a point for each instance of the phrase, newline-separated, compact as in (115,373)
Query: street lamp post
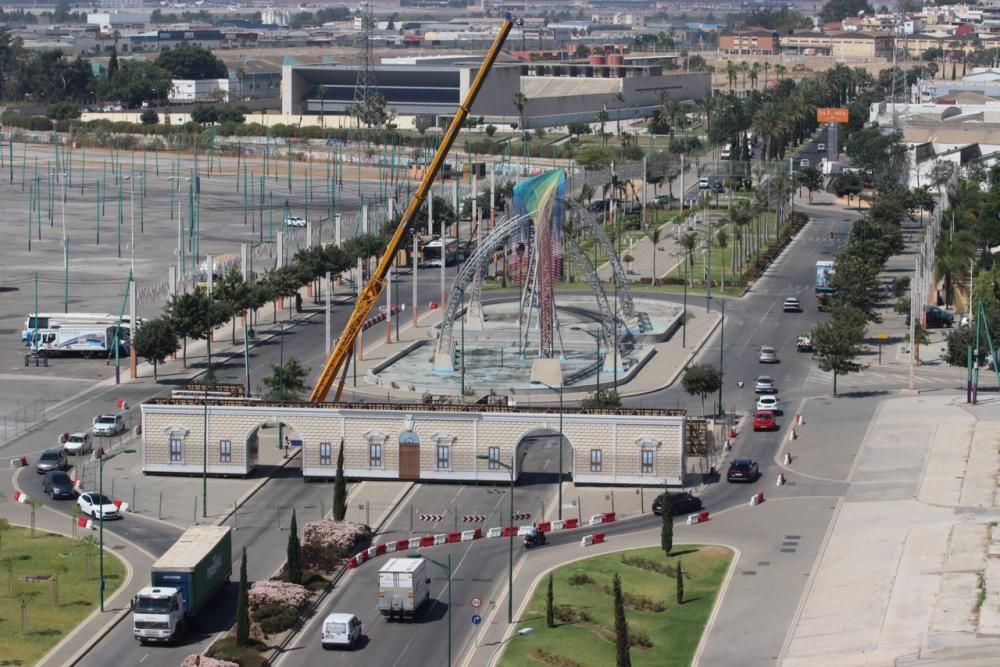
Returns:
(510,569)
(100,520)
(447,568)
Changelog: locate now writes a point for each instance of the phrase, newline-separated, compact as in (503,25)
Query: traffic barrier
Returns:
(700,517)
(729,445)
(20,497)
(471,534)
(415,542)
(78,485)
(390,547)
(523,530)
(84,522)
(432,305)
(598,538)
(372,552)
(571,523)
(544,526)
(788,459)
(732,433)
(793,435)
(380,549)
(609,517)
(63,438)
(427,541)
(440,538)
(799,420)
(587,540)
(454,537)
(19,462)
(403,544)
(757,498)
(781,479)
(121,404)
(121,505)
(494,532)
(557,525)
(703,516)
(596,520)
(508,531)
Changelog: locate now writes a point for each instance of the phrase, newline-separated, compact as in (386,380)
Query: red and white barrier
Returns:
(793,435)
(20,497)
(63,438)
(781,479)
(700,517)
(494,532)
(799,420)
(78,485)
(524,530)
(598,519)
(19,462)
(788,459)
(122,404)
(440,538)
(390,547)
(413,543)
(757,498)
(729,445)
(732,433)
(121,505)
(472,534)
(588,540)
(432,305)
(84,522)
(598,538)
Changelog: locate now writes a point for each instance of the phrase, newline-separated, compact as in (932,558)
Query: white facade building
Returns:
(108,22)
(188,91)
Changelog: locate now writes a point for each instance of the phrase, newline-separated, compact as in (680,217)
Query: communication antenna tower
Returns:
(364,89)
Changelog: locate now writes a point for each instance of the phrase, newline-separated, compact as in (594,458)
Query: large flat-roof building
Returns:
(557,93)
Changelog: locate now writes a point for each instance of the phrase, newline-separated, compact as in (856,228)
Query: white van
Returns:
(727,152)
(703,184)
(341,631)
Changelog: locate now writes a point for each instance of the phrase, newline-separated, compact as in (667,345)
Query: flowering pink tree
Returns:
(278,592)
(326,543)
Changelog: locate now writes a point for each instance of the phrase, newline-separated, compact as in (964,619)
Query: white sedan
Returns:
(294,221)
(767,403)
(78,443)
(97,506)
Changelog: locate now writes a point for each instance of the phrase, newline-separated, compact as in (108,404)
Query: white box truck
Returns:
(403,587)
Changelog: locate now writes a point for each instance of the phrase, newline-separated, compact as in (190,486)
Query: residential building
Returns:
(754,41)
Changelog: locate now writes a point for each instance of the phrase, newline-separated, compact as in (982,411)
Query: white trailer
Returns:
(403,587)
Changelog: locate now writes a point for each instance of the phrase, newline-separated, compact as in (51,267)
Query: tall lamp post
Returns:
(510,570)
(548,373)
(100,519)
(447,569)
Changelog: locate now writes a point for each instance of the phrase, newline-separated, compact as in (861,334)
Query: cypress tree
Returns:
(340,487)
(623,656)
(294,553)
(243,606)
(667,530)
(113,62)
(550,616)
(680,583)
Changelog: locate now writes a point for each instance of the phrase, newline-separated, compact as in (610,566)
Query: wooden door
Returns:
(409,461)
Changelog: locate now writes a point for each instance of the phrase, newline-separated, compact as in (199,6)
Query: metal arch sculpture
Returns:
(617,269)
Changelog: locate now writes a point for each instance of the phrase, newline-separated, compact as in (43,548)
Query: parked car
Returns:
(97,506)
(295,221)
(938,317)
(767,355)
(109,424)
(533,538)
(742,470)
(51,459)
(767,402)
(57,484)
(763,420)
(681,502)
(765,385)
(341,631)
(78,443)
(792,305)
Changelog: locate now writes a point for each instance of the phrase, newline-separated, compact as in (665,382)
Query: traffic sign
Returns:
(739,383)
(476,601)
(433,518)
(476,619)
(521,516)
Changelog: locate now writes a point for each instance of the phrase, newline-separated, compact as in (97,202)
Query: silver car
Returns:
(78,443)
(765,385)
(51,459)
(767,355)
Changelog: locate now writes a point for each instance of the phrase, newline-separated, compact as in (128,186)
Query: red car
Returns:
(763,420)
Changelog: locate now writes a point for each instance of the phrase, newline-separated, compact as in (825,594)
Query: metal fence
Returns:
(22,420)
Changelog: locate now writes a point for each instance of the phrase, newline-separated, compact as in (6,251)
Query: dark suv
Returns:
(742,470)
(680,503)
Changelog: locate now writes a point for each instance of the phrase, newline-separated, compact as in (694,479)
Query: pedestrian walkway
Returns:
(901,572)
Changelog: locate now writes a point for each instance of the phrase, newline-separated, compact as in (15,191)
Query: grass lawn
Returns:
(589,640)
(46,556)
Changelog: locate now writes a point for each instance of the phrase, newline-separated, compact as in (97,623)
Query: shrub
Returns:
(566,614)
(553,659)
(638,637)
(326,543)
(278,592)
(149,117)
(205,661)
(649,564)
(274,618)
(581,579)
(243,656)
(63,111)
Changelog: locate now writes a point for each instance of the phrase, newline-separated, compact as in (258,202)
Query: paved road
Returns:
(479,569)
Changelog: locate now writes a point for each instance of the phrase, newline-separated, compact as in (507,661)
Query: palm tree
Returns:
(754,74)
(951,259)
(779,71)
(744,68)
(767,70)
(654,237)
(768,122)
(707,106)
(602,118)
(722,240)
(620,98)
(731,71)
(521,101)
(688,242)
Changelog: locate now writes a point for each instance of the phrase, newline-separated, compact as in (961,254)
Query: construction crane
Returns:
(341,353)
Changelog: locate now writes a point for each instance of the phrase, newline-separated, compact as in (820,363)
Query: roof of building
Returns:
(534,87)
(945,132)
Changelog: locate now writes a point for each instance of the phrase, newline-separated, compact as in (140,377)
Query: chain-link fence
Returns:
(22,420)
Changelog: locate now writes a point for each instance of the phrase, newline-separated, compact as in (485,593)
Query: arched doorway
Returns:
(409,455)
(269,443)
(537,457)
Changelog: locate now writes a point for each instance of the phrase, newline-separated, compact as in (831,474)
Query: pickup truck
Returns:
(804,343)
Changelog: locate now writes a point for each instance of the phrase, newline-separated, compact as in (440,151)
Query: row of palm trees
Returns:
(753,71)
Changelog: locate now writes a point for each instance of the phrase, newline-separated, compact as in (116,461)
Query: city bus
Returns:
(431,253)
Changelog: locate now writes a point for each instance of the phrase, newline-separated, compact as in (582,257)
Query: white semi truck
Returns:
(403,587)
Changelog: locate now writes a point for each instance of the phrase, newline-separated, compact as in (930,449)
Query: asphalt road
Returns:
(479,568)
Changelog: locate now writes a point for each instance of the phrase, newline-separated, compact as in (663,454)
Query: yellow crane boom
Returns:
(373,289)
